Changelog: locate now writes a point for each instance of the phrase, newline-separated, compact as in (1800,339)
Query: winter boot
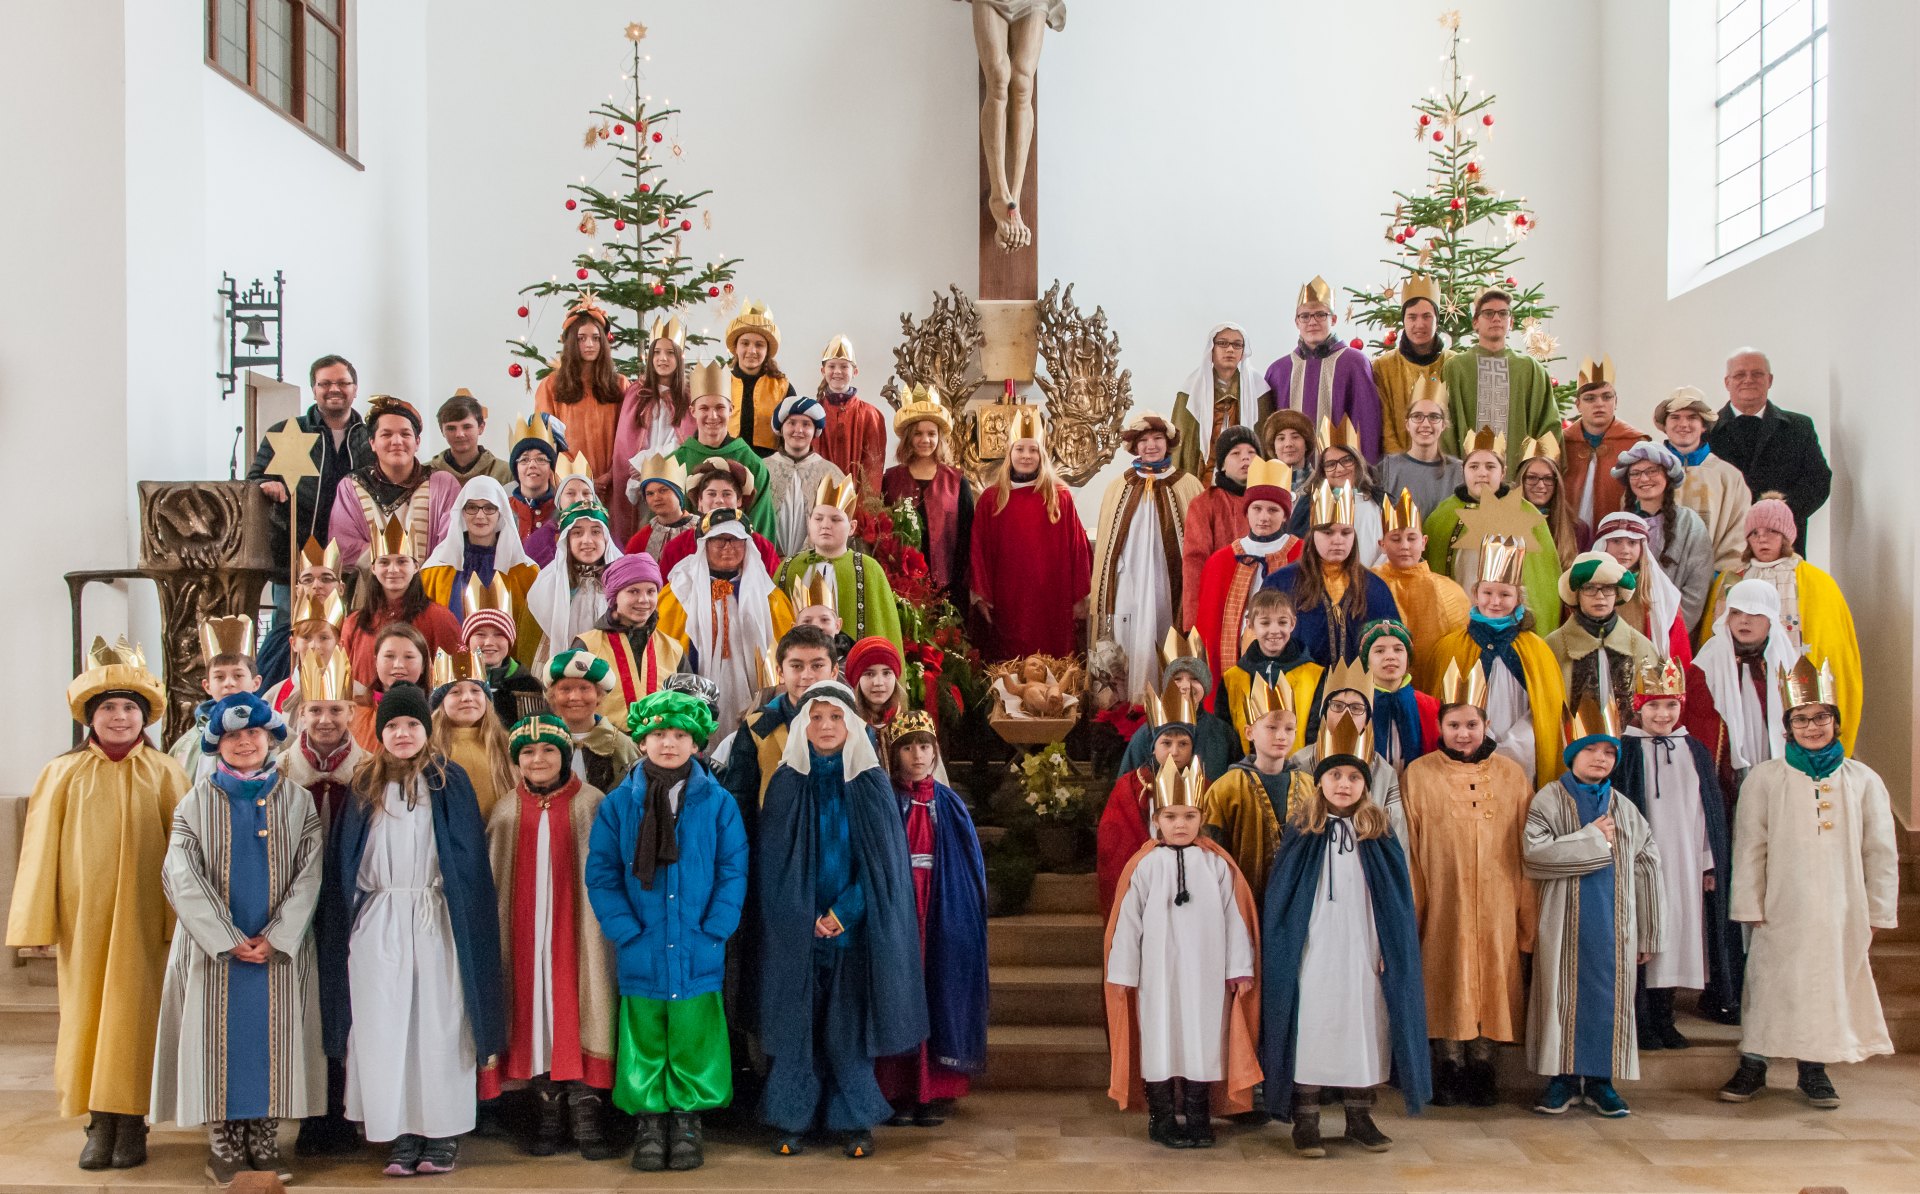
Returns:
(1199,1107)
(130,1142)
(685,1149)
(263,1149)
(97,1153)
(1306,1122)
(585,1108)
(549,1119)
(650,1149)
(1670,1037)
(1161,1128)
(226,1151)
(1360,1127)
(1448,1083)
(1646,1020)
(1479,1087)
(858,1145)
(932,1114)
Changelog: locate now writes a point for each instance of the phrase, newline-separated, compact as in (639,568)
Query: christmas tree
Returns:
(641,266)
(1461,230)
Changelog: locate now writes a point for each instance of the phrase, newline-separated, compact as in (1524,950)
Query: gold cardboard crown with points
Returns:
(710,378)
(120,653)
(575,465)
(839,349)
(660,467)
(1590,719)
(1177,646)
(312,555)
(1178,787)
(1664,679)
(1596,373)
(913,721)
(1332,504)
(450,668)
(766,667)
(1273,474)
(1315,292)
(1464,687)
(756,317)
(1400,514)
(393,539)
(1338,435)
(1419,286)
(308,606)
(1428,389)
(1348,676)
(837,489)
(1485,440)
(1342,735)
(1503,559)
(534,426)
(923,405)
(1544,448)
(1808,685)
(325,676)
(1264,698)
(668,329)
(226,636)
(816,586)
(1026,423)
(493,595)
(1172,704)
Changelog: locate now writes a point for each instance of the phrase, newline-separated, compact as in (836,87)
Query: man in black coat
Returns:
(341,448)
(1777,451)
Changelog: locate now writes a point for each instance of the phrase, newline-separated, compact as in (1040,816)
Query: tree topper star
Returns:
(636,31)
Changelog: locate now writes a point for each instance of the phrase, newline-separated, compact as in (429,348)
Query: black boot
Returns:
(1360,1126)
(1646,1028)
(585,1109)
(685,1149)
(1161,1128)
(130,1142)
(1660,999)
(549,1119)
(1818,1088)
(1447,1083)
(1199,1108)
(97,1153)
(650,1146)
(1478,1086)
(1306,1122)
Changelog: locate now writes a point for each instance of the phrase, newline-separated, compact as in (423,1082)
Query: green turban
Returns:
(666,710)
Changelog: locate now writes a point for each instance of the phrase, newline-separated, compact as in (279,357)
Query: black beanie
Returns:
(1231,438)
(402,700)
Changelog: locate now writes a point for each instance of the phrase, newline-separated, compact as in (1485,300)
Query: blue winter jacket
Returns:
(672,940)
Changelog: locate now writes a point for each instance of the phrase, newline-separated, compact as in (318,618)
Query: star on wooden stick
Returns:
(1512,515)
(292,458)
(636,31)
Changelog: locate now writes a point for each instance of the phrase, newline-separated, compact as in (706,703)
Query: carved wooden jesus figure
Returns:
(1007,35)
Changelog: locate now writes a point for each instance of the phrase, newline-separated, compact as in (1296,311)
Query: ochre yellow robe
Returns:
(89,882)
(1241,818)
(1432,606)
(1546,695)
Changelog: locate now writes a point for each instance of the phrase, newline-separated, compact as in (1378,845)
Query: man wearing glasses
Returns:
(1224,392)
(1494,386)
(1423,470)
(1414,354)
(341,447)
(1777,451)
(1323,378)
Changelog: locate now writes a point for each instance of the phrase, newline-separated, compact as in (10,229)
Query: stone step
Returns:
(1909,927)
(1045,939)
(1047,995)
(1022,1057)
(1066,893)
(29,1014)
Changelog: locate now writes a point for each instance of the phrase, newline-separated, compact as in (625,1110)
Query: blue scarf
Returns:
(1396,715)
(1816,764)
(1692,459)
(1495,638)
(1164,464)
(1592,800)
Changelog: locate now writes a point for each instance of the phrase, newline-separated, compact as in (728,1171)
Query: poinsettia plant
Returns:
(932,631)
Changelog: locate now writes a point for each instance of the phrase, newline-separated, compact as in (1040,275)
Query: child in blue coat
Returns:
(667,876)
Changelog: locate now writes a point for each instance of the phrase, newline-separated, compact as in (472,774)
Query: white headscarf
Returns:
(452,550)
(692,584)
(1200,390)
(1750,743)
(550,599)
(1663,596)
(856,757)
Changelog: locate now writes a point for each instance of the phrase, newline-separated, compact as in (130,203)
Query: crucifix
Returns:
(1007,35)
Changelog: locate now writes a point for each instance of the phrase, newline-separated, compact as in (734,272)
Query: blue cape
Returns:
(1285,914)
(956,966)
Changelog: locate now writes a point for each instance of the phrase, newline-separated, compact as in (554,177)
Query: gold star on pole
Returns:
(636,31)
(292,458)
(1512,515)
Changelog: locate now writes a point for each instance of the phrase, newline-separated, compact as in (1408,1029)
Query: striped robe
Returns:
(189,1065)
(1560,850)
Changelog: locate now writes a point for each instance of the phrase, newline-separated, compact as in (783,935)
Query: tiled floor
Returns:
(1076,1141)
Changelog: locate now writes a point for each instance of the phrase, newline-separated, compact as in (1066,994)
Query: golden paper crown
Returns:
(1428,389)
(1463,688)
(1590,719)
(816,586)
(1544,448)
(754,317)
(1664,679)
(534,426)
(1342,735)
(1174,646)
(324,677)
(1332,504)
(1025,423)
(913,721)
(839,349)
(1348,676)
(1264,698)
(226,636)
(766,667)
(1275,474)
(310,607)
(710,378)
(120,652)
(1400,514)
(1594,373)
(1503,559)
(1338,435)
(393,539)
(457,666)
(1170,705)
(1485,440)
(837,489)
(661,467)
(1178,787)
(576,465)
(1419,286)
(923,405)
(312,555)
(493,595)
(668,329)
(1807,685)
(1316,291)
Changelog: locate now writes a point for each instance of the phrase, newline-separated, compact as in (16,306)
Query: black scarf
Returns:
(658,845)
(1599,628)
(1020,478)
(1479,754)
(1405,348)
(1222,481)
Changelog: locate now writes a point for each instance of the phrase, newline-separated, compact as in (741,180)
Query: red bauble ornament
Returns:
(1473,167)
(571,205)
(619,225)
(580,274)
(644,188)
(686,225)
(514,369)
(522,312)
(1456,204)
(713,292)
(1399,238)
(1438,135)
(659,137)
(1511,283)
(1388,340)
(1520,221)
(729,288)
(659,289)
(619,130)
(1412,232)
(1487,120)
(1425,120)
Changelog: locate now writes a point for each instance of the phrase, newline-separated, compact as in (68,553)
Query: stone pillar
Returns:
(206,545)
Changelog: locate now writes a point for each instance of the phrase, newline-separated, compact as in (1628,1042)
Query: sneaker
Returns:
(1818,1088)
(1306,1134)
(403,1159)
(1602,1097)
(439,1155)
(1747,1081)
(1559,1095)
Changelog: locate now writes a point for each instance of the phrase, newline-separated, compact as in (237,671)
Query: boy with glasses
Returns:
(1494,386)
(1323,378)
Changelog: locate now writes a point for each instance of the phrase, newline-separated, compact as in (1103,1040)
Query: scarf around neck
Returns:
(1495,636)
(1816,764)
(659,844)
(1478,754)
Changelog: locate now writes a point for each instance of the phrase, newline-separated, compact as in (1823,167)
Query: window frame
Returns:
(1815,42)
(297,67)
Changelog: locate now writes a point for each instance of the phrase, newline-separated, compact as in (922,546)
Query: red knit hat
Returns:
(869,651)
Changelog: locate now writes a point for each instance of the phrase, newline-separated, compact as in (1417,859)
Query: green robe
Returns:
(1531,410)
(1540,574)
(882,614)
(760,515)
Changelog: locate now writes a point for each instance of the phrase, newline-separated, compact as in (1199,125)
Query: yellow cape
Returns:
(1826,630)
(437,582)
(1545,692)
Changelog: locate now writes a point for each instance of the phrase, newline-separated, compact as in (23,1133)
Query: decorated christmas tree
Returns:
(635,222)
(1461,229)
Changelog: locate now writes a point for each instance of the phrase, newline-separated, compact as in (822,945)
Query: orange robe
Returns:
(591,426)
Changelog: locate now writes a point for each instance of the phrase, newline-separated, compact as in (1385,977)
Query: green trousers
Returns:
(673,1056)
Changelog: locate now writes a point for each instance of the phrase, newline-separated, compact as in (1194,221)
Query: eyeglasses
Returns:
(1312,316)
(1494,313)
(333,385)
(1594,590)
(1237,345)
(1338,464)
(1351,708)
(1646,472)
(1810,721)
(1430,417)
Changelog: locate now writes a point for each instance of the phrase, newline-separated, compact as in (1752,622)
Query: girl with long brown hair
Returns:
(925,475)
(585,391)
(1333,594)
(468,732)
(656,414)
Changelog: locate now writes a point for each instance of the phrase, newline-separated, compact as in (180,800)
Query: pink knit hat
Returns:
(1772,514)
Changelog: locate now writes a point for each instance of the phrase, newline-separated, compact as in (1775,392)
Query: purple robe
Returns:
(1352,391)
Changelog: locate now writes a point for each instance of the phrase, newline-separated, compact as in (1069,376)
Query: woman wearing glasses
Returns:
(1675,534)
